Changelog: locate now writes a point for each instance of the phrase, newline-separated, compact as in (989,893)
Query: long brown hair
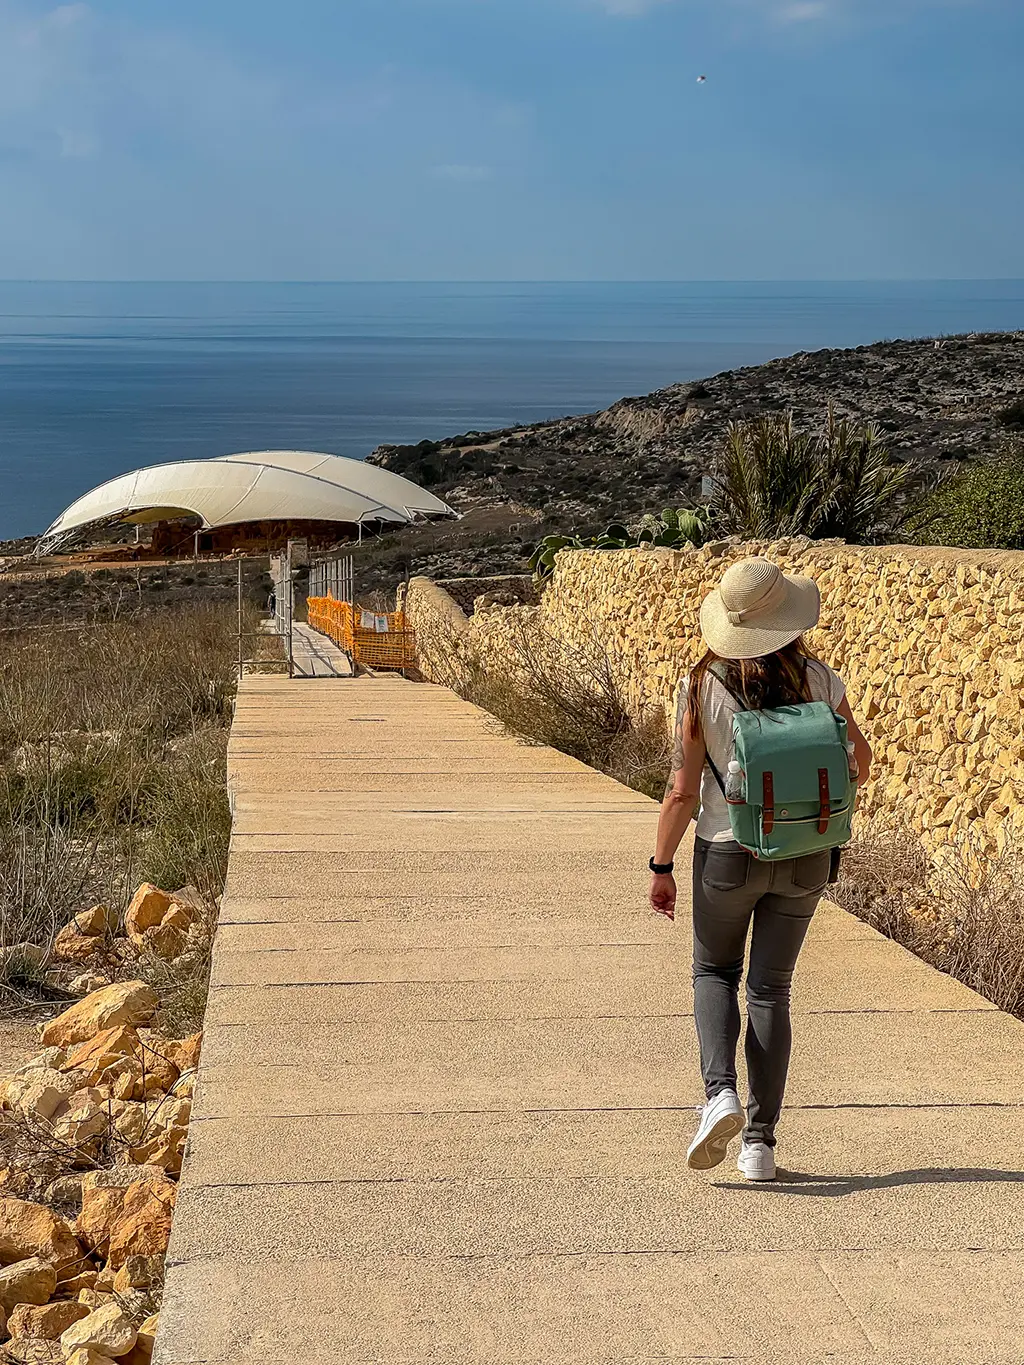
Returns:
(777,679)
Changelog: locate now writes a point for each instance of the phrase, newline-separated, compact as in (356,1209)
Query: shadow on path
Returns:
(836,1186)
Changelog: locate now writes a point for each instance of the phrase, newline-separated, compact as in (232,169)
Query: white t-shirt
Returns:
(717,710)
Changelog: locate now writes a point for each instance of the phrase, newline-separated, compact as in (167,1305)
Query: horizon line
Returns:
(880,279)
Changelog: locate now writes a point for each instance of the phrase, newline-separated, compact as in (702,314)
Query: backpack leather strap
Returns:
(825,809)
(768,805)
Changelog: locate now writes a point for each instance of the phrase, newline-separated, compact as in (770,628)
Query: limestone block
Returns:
(32,1280)
(126,1002)
(32,1230)
(146,910)
(105,1329)
(46,1321)
(98,920)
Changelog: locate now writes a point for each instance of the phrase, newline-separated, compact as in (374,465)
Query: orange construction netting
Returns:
(393,646)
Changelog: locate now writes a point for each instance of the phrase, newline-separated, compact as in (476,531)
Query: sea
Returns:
(100,378)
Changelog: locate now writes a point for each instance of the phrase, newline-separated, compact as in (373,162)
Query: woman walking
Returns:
(755,662)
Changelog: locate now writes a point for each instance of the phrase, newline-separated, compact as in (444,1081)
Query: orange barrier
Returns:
(394,647)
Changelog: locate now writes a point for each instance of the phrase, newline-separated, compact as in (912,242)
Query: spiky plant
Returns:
(867,491)
(775,480)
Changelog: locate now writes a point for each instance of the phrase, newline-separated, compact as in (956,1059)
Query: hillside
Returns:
(956,398)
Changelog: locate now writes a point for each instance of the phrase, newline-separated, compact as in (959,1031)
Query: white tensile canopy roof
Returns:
(272,485)
(355,474)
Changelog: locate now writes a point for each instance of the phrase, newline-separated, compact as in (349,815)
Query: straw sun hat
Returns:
(757,609)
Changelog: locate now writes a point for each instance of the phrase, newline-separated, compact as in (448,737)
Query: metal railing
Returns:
(282,577)
(333,578)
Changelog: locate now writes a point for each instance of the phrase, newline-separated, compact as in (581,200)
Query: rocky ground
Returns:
(952,399)
(92,1135)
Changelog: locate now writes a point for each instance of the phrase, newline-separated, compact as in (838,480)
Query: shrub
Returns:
(980,507)
(565,695)
(1013,414)
(961,910)
(775,480)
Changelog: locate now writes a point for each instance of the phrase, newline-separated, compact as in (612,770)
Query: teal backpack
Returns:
(797,791)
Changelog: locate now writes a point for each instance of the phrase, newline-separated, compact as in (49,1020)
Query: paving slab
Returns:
(711,1306)
(432,916)
(825,1153)
(593,1063)
(449,1074)
(280,955)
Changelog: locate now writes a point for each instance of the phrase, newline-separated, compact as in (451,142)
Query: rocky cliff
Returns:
(955,398)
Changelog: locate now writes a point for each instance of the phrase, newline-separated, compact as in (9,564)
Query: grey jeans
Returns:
(731,888)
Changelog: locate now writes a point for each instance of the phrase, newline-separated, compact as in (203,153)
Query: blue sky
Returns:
(511,139)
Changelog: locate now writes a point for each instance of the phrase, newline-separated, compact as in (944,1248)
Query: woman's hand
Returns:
(663,895)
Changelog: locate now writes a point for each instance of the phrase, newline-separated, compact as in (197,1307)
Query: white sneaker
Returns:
(756,1161)
(720,1120)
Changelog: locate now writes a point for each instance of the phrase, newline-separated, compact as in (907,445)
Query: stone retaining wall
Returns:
(930,643)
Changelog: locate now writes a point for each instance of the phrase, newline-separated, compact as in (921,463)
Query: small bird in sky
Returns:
(702,80)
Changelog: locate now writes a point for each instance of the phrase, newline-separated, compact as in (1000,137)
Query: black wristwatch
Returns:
(660,869)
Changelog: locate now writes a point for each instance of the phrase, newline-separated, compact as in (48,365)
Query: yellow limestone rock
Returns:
(147,909)
(39,1094)
(100,1210)
(143,1227)
(126,1063)
(131,1123)
(139,1272)
(82,1355)
(125,1002)
(47,1321)
(105,1329)
(177,917)
(97,1053)
(28,1229)
(120,1222)
(84,1121)
(75,1286)
(71,945)
(183,1052)
(166,1149)
(99,919)
(32,1280)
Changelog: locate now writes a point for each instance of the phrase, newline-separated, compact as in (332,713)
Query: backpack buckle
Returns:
(768,803)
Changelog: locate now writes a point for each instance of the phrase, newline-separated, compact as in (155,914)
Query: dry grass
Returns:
(962,910)
(564,695)
(113,745)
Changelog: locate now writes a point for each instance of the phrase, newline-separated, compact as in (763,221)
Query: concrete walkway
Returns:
(449,1072)
(316,656)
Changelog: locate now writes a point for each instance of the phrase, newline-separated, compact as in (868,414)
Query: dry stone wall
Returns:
(929,641)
